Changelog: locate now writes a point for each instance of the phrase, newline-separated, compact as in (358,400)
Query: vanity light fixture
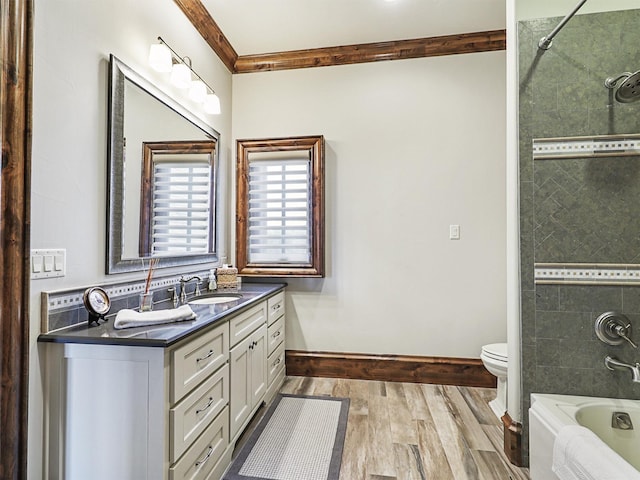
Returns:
(181,75)
(160,58)
(163,58)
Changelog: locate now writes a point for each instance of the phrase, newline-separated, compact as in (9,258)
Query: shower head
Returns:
(629,90)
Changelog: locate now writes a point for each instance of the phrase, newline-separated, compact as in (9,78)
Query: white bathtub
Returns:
(549,413)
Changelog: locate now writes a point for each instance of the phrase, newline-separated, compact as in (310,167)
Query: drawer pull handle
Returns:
(208,355)
(276,307)
(277,362)
(277,334)
(206,406)
(200,462)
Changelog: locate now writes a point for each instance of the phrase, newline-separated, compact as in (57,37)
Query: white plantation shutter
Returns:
(279,211)
(181,207)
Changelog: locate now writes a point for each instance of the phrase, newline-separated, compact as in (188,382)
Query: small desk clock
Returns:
(97,303)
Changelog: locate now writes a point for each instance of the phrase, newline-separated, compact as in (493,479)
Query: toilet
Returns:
(494,358)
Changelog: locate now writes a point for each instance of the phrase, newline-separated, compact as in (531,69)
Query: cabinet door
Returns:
(258,365)
(248,370)
(240,383)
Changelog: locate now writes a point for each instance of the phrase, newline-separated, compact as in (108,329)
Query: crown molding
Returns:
(373,52)
(206,26)
(201,19)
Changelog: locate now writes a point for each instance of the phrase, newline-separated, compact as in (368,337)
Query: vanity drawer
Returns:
(275,334)
(275,363)
(275,306)
(198,359)
(199,460)
(190,417)
(245,323)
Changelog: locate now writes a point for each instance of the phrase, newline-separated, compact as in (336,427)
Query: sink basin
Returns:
(215,298)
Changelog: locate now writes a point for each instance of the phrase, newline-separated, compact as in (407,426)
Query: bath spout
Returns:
(621,421)
(614,364)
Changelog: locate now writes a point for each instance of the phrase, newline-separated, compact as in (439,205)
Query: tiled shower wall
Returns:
(578,211)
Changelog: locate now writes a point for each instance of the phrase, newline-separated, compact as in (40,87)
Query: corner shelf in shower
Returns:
(586,147)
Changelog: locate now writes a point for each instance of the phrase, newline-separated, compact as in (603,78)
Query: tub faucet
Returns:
(621,421)
(183,290)
(614,364)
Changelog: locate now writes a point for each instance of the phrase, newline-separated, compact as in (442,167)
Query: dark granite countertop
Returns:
(167,334)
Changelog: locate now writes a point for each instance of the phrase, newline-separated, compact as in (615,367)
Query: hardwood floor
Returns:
(408,431)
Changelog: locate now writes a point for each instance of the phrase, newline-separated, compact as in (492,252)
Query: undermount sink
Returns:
(215,298)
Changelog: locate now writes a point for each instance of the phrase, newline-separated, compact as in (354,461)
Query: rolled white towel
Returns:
(579,454)
(130,318)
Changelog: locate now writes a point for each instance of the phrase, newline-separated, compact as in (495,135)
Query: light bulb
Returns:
(198,91)
(212,104)
(160,57)
(181,75)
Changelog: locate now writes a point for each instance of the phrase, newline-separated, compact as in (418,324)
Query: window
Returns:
(280,207)
(177,209)
(180,207)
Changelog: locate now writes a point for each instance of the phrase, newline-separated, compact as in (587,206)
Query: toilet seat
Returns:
(496,351)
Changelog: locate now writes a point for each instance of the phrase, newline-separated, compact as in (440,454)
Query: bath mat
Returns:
(299,438)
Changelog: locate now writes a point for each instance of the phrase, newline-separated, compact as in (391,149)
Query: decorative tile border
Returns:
(586,274)
(65,302)
(581,147)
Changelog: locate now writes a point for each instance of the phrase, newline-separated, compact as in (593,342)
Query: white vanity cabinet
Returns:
(135,412)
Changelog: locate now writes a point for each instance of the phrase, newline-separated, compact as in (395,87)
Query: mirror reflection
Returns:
(162,174)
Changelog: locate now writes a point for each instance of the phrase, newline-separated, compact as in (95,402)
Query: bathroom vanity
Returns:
(164,402)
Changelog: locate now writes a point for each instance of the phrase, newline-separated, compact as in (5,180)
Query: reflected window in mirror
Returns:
(178,198)
(280,207)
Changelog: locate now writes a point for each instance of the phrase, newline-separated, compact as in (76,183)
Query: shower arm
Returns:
(545,42)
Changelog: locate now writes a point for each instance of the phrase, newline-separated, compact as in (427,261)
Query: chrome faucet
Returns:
(183,290)
(614,364)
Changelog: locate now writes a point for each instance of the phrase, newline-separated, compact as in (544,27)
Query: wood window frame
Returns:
(149,150)
(313,147)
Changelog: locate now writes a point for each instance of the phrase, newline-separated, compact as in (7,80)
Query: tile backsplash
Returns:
(65,308)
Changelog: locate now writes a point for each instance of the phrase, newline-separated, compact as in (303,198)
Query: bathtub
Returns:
(549,413)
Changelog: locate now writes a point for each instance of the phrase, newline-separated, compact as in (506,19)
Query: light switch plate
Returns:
(454,232)
(48,263)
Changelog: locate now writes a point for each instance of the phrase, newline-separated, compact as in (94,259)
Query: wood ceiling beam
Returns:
(199,16)
(374,52)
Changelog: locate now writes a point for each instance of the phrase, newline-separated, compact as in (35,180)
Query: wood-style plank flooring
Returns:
(407,431)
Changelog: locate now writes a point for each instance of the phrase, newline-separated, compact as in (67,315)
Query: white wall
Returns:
(412,146)
(73,40)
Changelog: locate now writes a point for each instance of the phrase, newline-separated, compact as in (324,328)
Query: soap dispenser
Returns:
(212,280)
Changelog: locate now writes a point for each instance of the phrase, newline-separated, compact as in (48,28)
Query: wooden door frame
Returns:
(16,47)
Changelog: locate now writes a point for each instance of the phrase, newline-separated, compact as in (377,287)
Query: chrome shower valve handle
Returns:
(621,330)
(613,328)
